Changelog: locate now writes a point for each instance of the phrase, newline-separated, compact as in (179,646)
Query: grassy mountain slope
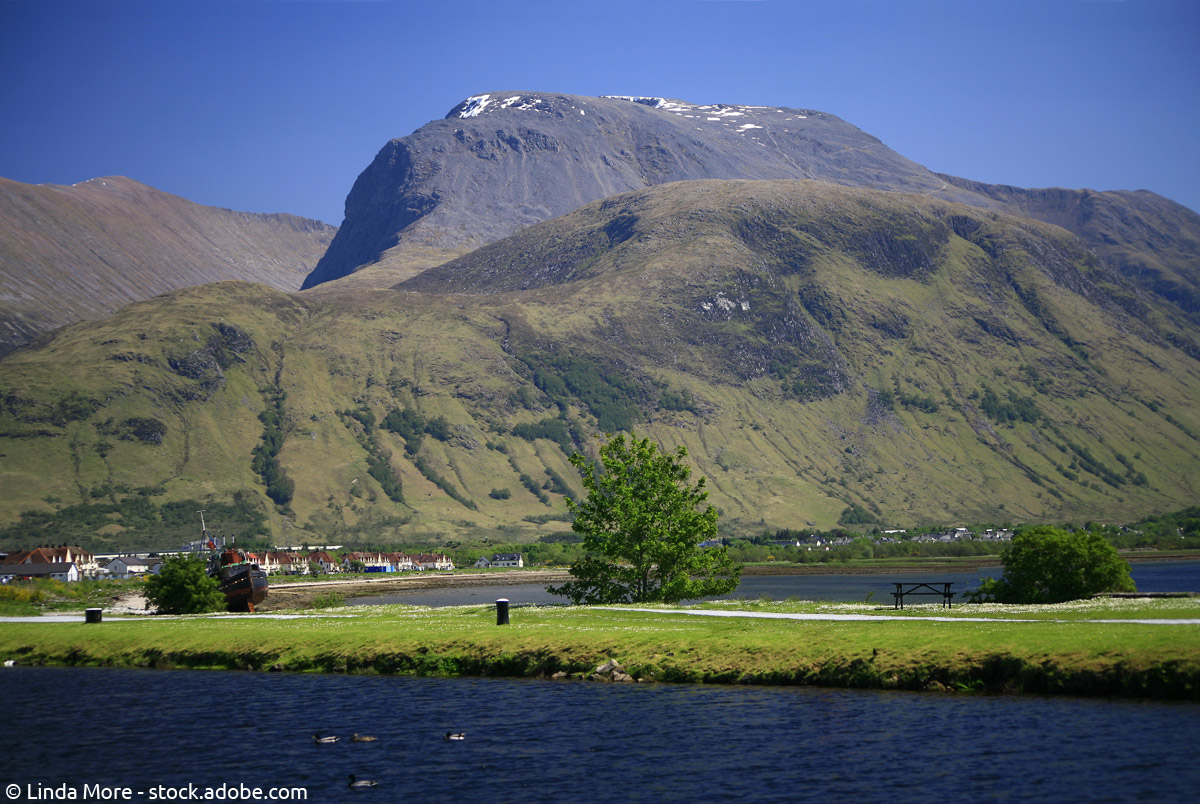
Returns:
(1152,241)
(82,252)
(813,346)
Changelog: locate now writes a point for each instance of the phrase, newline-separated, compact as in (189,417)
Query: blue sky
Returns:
(278,105)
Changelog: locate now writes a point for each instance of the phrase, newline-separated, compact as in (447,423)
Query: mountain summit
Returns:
(504,160)
(501,161)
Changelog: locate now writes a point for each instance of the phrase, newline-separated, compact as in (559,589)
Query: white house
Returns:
(433,561)
(58,570)
(129,566)
(401,562)
(327,562)
(507,560)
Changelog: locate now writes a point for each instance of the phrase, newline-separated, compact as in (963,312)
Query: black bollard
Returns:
(502,611)
(92,615)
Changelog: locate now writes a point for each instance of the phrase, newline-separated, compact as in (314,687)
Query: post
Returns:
(502,611)
(92,615)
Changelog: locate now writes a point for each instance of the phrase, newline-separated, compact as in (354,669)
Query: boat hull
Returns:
(244,586)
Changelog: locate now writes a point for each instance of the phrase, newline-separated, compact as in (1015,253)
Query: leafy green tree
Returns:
(1050,565)
(183,586)
(642,526)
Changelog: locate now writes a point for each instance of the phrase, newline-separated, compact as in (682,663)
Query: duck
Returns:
(362,783)
(456,735)
(319,740)
(362,738)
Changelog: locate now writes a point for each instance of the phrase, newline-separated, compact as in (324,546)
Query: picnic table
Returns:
(941,588)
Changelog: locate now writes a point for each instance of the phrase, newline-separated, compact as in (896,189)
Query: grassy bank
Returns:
(1062,649)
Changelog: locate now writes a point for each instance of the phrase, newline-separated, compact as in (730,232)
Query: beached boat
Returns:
(243,582)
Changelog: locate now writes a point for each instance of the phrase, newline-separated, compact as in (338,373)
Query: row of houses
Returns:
(63,563)
(73,564)
(289,562)
(300,564)
(897,536)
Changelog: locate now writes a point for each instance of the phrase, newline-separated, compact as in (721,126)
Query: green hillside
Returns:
(814,347)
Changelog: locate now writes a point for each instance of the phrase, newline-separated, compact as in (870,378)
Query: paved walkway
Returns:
(766,615)
(152,618)
(879,618)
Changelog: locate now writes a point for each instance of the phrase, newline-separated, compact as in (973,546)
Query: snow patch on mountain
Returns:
(474,106)
(730,117)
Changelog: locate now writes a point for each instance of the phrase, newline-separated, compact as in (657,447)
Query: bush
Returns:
(183,586)
(1049,565)
(328,600)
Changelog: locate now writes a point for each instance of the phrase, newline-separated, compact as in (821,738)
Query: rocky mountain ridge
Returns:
(501,161)
(83,252)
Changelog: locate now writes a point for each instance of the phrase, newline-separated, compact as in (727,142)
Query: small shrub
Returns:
(183,586)
(328,600)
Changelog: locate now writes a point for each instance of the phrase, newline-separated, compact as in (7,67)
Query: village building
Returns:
(85,562)
(58,571)
(401,562)
(324,560)
(433,561)
(501,560)
(132,566)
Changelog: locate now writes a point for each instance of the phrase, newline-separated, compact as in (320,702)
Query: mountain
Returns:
(1151,240)
(504,160)
(818,349)
(82,252)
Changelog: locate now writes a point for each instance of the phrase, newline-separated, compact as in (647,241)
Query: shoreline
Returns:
(1128,649)
(283,596)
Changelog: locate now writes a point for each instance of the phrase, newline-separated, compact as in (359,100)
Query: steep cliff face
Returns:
(502,161)
(77,253)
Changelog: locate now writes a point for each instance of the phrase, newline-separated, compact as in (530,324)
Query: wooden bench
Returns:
(938,588)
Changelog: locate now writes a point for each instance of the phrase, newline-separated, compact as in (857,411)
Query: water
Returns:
(1150,576)
(544,741)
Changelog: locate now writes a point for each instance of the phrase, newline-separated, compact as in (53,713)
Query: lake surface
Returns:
(545,741)
(1150,576)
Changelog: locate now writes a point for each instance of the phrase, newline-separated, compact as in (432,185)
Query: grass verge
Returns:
(1059,650)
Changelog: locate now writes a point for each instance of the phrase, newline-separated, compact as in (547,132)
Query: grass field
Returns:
(1086,648)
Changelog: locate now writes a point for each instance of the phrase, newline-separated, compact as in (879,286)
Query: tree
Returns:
(642,528)
(183,586)
(1050,565)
